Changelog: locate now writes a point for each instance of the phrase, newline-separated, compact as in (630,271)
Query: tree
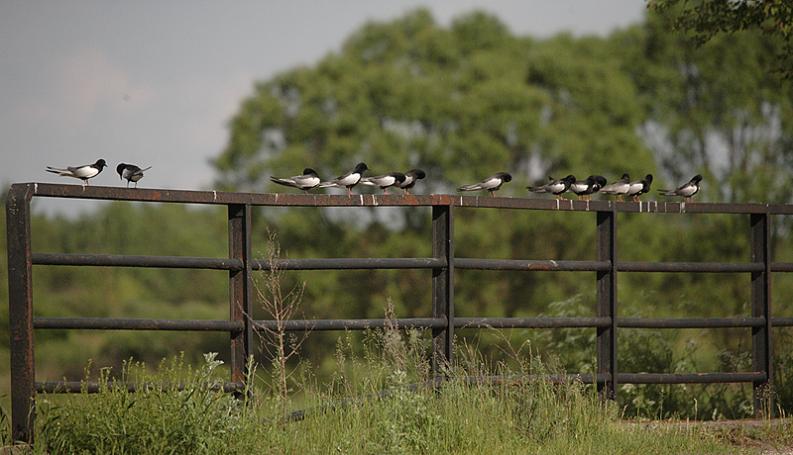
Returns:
(705,19)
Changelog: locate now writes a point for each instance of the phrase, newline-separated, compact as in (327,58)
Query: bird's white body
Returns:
(687,190)
(579,187)
(80,172)
(380,180)
(301,181)
(619,188)
(635,188)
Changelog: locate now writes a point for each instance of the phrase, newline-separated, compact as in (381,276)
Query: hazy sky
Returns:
(155,83)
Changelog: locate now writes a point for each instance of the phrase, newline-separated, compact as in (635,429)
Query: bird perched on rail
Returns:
(348,180)
(411,177)
(306,181)
(585,188)
(491,184)
(130,172)
(555,187)
(619,188)
(384,181)
(84,172)
(686,190)
(639,187)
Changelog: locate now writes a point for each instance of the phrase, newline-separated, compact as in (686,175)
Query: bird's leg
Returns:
(635,198)
(619,198)
(492,194)
(349,192)
(385,190)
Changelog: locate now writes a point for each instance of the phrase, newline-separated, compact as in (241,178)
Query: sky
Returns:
(155,83)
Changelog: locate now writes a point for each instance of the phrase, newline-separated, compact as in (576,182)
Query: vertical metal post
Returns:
(20,312)
(240,288)
(607,302)
(442,286)
(761,307)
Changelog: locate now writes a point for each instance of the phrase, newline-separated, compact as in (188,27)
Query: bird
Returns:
(384,181)
(639,187)
(686,190)
(411,177)
(619,188)
(585,188)
(348,180)
(307,181)
(555,187)
(491,184)
(130,172)
(83,172)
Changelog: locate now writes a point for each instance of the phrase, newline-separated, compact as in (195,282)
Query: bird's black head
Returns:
(598,179)
(100,164)
(360,167)
(417,173)
(504,176)
(400,177)
(648,178)
(120,170)
(626,177)
(696,179)
(309,171)
(569,179)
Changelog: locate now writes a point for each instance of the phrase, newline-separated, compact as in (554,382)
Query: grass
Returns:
(376,403)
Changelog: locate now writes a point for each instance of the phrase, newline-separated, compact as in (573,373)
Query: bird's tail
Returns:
(282,181)
(58,171)
(144,170)
(473,187)
(537,189)
(327,185)
(367,181)
(668,192)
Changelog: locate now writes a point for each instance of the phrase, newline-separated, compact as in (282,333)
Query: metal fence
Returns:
(240,265)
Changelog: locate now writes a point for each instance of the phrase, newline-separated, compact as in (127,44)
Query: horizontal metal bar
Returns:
(586,378)
(391,200)
(531,323)
(302,325)
(781,322)
(531,265)
(137,324)
(688,378)
(112,260)
(702,267)
(94,387)
(782,266)
(689,323)
(349,263)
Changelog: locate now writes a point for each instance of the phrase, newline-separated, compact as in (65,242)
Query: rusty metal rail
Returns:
(240,265)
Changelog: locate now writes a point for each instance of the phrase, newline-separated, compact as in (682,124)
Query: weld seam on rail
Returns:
(348,263)
(138,324)
(94,387)
(114,260)
(297,325)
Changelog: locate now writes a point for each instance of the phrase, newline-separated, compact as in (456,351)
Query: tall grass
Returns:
(380,401)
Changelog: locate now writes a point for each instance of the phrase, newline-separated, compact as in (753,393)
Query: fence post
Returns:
(761,307)
(20,313)
(240,301)
(442,286)
(607,303)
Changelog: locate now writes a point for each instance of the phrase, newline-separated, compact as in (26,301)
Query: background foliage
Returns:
(462,102)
